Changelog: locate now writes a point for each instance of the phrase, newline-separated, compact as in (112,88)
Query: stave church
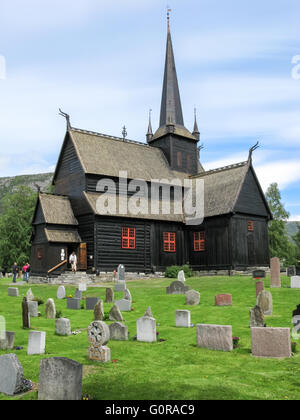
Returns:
(233,234)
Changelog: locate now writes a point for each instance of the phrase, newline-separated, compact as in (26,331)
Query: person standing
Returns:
(28,272)
(24,269)
(73,262)
(15,272)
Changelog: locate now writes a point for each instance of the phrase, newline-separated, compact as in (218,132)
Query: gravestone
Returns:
(82,287)
(265,302)
(259,274)
(298,270)
(215,337)
(29,295)
(98,336)
(61,292)
(90,303)
(192,298)
(223,300)
(146,329)
(63,327)
(25,314)
(257,318)
(11,375)
(50,310)
(13,291)
(120,286)
(78,294)
(2,328)
(271,342)
(118,332)
(181,276)
(125,304)
(295,282)
(115,314)
(177,288)
(8,342)
(291,271)
(275,273)
(149,312)
(127,295)
(183,319)
(260,286)
(99,311)
(33,309)
(36,342)
(60,379)
(73,303)
(109,296)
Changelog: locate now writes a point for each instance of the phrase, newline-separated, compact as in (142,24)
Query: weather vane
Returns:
(124,133)
(67,117)
(168,15)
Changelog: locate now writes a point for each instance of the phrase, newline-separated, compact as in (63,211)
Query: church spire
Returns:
(196,132)
(171,111)
(149,134)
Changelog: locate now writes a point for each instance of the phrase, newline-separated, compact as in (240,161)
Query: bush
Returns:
(172,272)
(38,300)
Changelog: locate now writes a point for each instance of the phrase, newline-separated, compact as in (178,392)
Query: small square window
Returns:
(199,241)
(250,226)
(169,241)
(128,238)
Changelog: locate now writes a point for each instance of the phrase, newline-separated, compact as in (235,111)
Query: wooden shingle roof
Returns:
(63,236)
(57,210)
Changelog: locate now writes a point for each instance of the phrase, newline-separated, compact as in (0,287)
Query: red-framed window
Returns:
(199,241)
(128,238)
(169,242)
(250,226)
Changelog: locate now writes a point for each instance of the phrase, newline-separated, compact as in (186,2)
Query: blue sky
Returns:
(102,62)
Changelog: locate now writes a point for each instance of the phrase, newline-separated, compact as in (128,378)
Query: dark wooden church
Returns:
(233,235)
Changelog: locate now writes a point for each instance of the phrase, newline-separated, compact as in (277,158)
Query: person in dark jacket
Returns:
(15,272)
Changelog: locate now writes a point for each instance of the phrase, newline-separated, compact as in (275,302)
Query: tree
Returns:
(297,242)
(15,226)
(280,245)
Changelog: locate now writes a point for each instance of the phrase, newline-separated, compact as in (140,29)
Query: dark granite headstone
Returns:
(259,274)
(25,314)
(177,288)
(73,303)
(91,302)
(291,271)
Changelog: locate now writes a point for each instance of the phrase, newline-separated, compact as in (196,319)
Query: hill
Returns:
(9,184)
(292,229)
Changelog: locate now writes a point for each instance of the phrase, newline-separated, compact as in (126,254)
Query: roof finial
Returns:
(124,133)
(251,150)
(67,117)
(168,16)
(196,132)
(149,134)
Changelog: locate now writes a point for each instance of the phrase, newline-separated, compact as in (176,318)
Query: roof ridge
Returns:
(94,133)
(221,169)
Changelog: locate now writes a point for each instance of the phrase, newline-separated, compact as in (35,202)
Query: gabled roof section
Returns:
(63,236)
(106,155)
(57,209)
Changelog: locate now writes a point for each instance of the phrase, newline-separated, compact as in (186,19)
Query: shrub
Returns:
(38,300)
(172,272)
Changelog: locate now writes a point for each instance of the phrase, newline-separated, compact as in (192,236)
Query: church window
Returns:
(199,241)
(250,226)
(128,238)
(169,241)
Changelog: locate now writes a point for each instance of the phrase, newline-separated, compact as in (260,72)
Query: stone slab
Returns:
(73,303)
(183,318)
(215,337)
(192,298)
(260,286)
(90,303)
(36,342)
(33,308)
(177,288)
(8,342)
(223,300)
(124,305)
(265,302)
(60,379)
(63,327)
(11,374)
(118,331)
(271,342)
(275,273)
(61,292)
(146,329)
(13,292)
(295,282)
(100,354)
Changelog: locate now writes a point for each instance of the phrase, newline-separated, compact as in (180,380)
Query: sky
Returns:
(102,62)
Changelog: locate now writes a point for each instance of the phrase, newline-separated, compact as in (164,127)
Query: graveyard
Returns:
(173,367)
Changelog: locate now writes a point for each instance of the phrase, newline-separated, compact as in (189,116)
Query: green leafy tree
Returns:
(297,242)
(15,226)
(280,244)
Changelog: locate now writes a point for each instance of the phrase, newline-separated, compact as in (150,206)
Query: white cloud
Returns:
(295,218)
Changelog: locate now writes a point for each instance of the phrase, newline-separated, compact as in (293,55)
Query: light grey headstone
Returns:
(177,288)
(60,379)
(11,374)
(8,342)
(265,302)
(50,310)
(98,333)
(91,302)
(13,291)
(127,295)
(215,337)
(61,292)
(115,314)
(78,294)
(82,287)
(118,332)
(36,342)
(183,318)
(124,305)
(109,297)
(271,342)
(120,287)
(291,271)
(73,303)
(146,329)
(192,298)
(149,312)
(295,282)
(33,309)
(121,273)
(181,276)
(29,295)
(2,328)
(99,311)
(63,327)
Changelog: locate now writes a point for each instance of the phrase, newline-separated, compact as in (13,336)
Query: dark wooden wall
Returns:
(86,230)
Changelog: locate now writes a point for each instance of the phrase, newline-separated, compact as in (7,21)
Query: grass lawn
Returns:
(174,369)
